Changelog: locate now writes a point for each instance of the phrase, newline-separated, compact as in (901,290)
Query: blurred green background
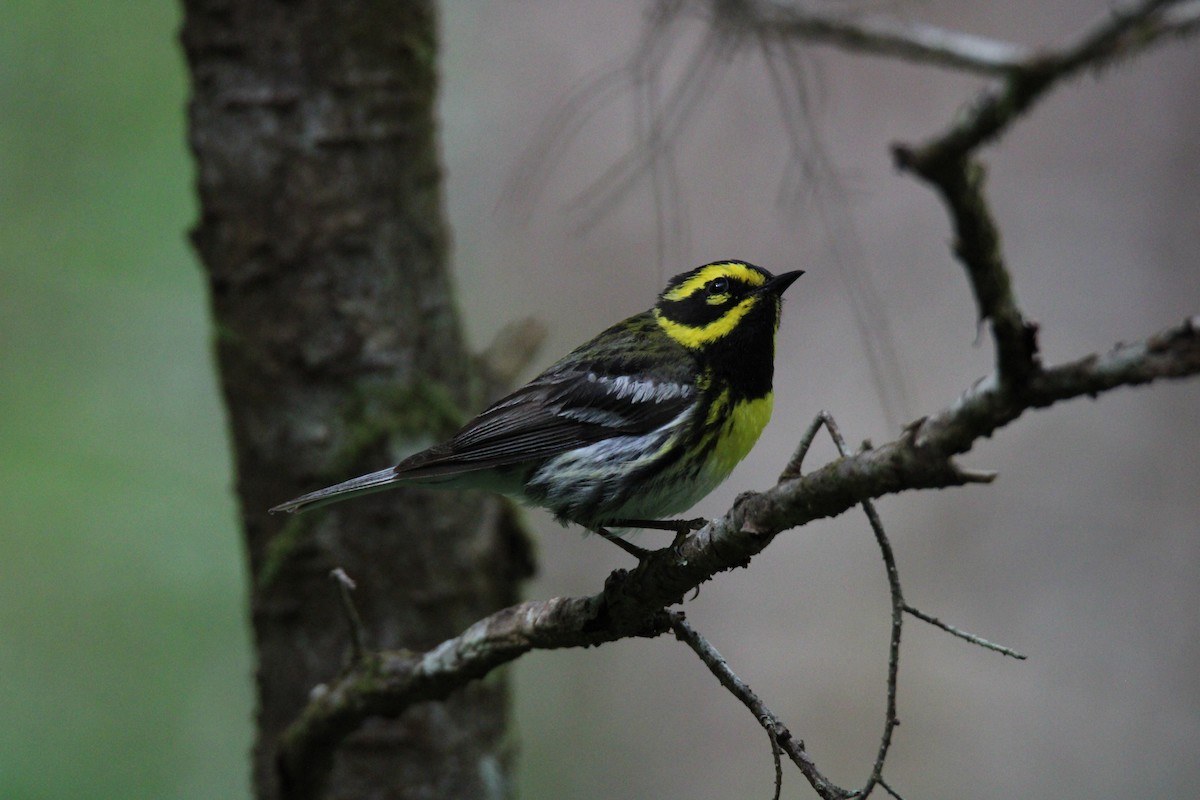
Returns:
(124,653)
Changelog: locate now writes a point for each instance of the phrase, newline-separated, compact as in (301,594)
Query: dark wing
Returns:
(600,390)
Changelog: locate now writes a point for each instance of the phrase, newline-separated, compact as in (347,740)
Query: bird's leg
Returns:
(640,553)
(681,527)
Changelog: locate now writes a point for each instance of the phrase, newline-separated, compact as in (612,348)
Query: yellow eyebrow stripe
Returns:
(694,337)
(723,269)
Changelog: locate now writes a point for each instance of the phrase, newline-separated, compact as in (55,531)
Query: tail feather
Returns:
(363,484)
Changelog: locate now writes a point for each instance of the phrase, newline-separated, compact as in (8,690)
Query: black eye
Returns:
(717,286)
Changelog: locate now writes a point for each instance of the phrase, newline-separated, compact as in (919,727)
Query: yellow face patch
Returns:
(694,337)
(725,269)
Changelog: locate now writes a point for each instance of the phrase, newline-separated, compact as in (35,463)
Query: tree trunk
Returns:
(338,343)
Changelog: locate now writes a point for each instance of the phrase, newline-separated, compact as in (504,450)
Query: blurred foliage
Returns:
(124,655)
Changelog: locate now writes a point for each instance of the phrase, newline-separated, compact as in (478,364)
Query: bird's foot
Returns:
(680,527)
(640,553)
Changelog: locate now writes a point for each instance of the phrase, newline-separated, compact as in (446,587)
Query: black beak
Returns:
(779,284)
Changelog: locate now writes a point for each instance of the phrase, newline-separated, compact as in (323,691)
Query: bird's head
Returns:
(721,303)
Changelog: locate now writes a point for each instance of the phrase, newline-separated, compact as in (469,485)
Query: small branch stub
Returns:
(346,585)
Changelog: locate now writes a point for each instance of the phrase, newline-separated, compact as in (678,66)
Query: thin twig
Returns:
(916,42)
(776,756)
(887,788)
(345,586)
(891,720)
(780,735)
(792,470)
(1122,33)
(964,635)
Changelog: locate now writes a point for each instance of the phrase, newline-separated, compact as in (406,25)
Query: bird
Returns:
(630,428)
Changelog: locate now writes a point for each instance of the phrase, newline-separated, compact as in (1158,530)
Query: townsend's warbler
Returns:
(636,425)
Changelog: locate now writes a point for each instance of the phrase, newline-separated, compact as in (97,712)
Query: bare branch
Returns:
(792,470)
(633,603)
(346,585)
(977,246)
(964,635)
(899,607)
(948,163)
(890,720)
(880,36)
(386,683)
(776,752)
(1121,34)
(781,737)
(887,788)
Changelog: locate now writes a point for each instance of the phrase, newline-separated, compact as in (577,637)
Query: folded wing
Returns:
(556,413)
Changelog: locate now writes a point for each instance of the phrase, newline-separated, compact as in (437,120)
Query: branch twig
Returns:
(964,635)
(632,603)
(947,162)
(891,719)
(917,42)
(781,737)
(345,586)
(1121,34)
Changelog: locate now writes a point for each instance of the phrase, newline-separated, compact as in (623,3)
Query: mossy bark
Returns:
(324,241)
